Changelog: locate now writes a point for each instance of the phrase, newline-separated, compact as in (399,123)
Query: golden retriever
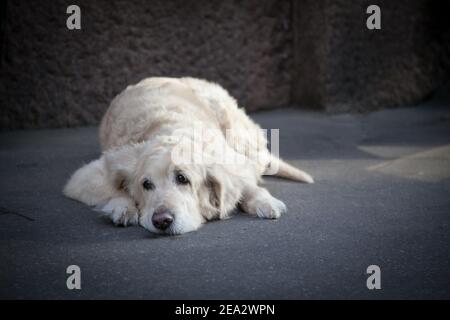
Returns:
(178,152)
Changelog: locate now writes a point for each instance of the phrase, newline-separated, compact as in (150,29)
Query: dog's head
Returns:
(173,198)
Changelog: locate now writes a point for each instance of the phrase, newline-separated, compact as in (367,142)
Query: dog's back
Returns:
(161,105)
(142,109)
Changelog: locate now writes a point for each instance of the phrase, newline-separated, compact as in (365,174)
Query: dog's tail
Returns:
(282,169)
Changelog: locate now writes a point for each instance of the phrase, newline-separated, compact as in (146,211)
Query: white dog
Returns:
(159,170)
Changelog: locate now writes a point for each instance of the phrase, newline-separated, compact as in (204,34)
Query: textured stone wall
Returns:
(340,65)
(52,77)
(267,53)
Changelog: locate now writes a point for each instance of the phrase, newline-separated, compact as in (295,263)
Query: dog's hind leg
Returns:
(91,185)
(259,202)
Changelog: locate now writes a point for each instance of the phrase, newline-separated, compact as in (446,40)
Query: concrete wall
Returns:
(54,77)
(340,65)
(267,53)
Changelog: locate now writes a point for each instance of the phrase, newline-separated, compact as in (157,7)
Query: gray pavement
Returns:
(382,196)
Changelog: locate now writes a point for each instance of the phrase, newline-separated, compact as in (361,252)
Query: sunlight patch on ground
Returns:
(429,165)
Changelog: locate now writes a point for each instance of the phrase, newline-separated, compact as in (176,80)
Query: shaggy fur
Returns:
(150,137)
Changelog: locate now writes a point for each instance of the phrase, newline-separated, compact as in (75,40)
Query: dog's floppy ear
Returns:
(224,191)
(215,191)
(121,163)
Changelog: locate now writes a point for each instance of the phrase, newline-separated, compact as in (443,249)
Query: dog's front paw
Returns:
(265,206)
(270,208)
(121,211)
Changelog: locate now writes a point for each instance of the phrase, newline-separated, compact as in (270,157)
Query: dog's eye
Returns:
(148,185)
(181,178)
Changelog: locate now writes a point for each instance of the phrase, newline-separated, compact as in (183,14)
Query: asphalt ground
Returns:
(381,197)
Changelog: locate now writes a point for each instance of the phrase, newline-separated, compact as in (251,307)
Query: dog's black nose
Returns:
(162,219)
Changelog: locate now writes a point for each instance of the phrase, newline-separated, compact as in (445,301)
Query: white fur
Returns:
(138,134)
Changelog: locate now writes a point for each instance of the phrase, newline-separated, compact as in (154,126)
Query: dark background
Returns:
(267,53)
